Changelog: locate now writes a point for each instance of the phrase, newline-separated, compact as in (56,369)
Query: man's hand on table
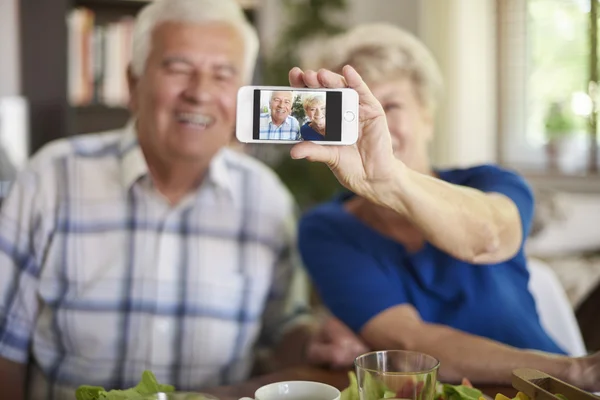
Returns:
(334,345)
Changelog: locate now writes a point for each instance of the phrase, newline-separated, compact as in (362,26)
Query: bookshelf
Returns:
(48,67)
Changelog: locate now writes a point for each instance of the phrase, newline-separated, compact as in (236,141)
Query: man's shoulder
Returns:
(265,119)
(250,165)
(85,145)
(259,178)
(293,120)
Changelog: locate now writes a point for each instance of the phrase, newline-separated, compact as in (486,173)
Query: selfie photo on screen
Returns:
(296,115)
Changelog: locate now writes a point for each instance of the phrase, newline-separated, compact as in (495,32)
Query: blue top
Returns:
(309,133)
(359,273)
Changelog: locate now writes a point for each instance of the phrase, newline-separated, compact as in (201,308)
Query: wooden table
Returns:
(339,379)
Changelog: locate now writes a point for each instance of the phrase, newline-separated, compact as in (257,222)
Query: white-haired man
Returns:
(154,247)
(278,123)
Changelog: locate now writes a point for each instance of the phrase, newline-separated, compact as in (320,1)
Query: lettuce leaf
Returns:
(460,392)
(86,392)
(147,386)
(373,389)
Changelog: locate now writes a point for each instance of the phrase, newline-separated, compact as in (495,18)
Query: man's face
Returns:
(281,105)
(185,99)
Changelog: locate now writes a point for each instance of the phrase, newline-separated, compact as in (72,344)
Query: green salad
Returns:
(376,390)
(147,386)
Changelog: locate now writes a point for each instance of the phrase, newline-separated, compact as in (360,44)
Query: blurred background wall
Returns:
(9,48)
(462,37)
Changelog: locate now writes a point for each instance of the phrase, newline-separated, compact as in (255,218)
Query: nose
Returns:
(318,112)
(198,89)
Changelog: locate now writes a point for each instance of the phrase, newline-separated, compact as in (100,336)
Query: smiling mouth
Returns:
(199,121)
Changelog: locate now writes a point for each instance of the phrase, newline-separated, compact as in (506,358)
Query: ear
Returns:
(428,117)
(132,84)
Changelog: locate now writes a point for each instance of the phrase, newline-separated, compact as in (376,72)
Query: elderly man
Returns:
(155,247)
(279,124)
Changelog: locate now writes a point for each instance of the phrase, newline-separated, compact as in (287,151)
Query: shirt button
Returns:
(163,326)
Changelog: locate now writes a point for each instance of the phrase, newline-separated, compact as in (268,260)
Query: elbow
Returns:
(494,244)
(488,242)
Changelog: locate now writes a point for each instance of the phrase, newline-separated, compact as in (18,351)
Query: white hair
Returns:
(282,91)
(191,11)
(380,52)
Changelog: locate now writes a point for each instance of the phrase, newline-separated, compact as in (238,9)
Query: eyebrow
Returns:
(173,60)
(218,68)
(226,68)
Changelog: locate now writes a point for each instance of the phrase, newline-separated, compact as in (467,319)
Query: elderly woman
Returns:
(415,257)
(314,107)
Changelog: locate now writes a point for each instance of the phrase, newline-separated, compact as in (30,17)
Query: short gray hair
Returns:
(380,52)
(311,99)
(191,11)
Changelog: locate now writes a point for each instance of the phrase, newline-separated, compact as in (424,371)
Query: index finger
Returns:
(296,77)
(331,80)
(355,81)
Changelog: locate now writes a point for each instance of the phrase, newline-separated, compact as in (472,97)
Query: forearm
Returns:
(463,222)
(12,380)
(477,358)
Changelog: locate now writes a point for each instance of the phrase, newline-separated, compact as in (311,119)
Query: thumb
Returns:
(330,355)
(314,152)
(319,353)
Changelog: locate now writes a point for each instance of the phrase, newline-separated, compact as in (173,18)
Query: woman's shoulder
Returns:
(479,172)
(330,215)
(330,210)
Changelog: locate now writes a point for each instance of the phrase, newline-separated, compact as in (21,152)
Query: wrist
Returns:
(391,193)
(575,372)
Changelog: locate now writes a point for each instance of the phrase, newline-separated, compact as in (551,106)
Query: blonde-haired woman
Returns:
(415,257)
(314,108)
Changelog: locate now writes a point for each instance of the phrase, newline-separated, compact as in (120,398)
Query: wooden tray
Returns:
(541,386)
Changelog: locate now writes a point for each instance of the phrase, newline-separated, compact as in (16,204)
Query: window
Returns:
(547,115)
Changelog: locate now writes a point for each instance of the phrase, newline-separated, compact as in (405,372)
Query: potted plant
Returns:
(560,123)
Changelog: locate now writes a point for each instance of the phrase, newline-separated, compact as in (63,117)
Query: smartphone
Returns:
(274,114)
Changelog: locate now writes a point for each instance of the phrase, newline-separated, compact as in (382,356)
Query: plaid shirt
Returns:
(100,278)
(289,130)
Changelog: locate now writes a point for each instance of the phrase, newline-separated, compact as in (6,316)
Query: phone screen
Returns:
(297,115)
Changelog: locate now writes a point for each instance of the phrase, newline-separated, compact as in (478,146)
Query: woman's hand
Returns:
(586,373)
(367,167)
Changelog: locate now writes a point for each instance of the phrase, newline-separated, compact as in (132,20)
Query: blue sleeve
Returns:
(350,282)
(494,179)
(304,132)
